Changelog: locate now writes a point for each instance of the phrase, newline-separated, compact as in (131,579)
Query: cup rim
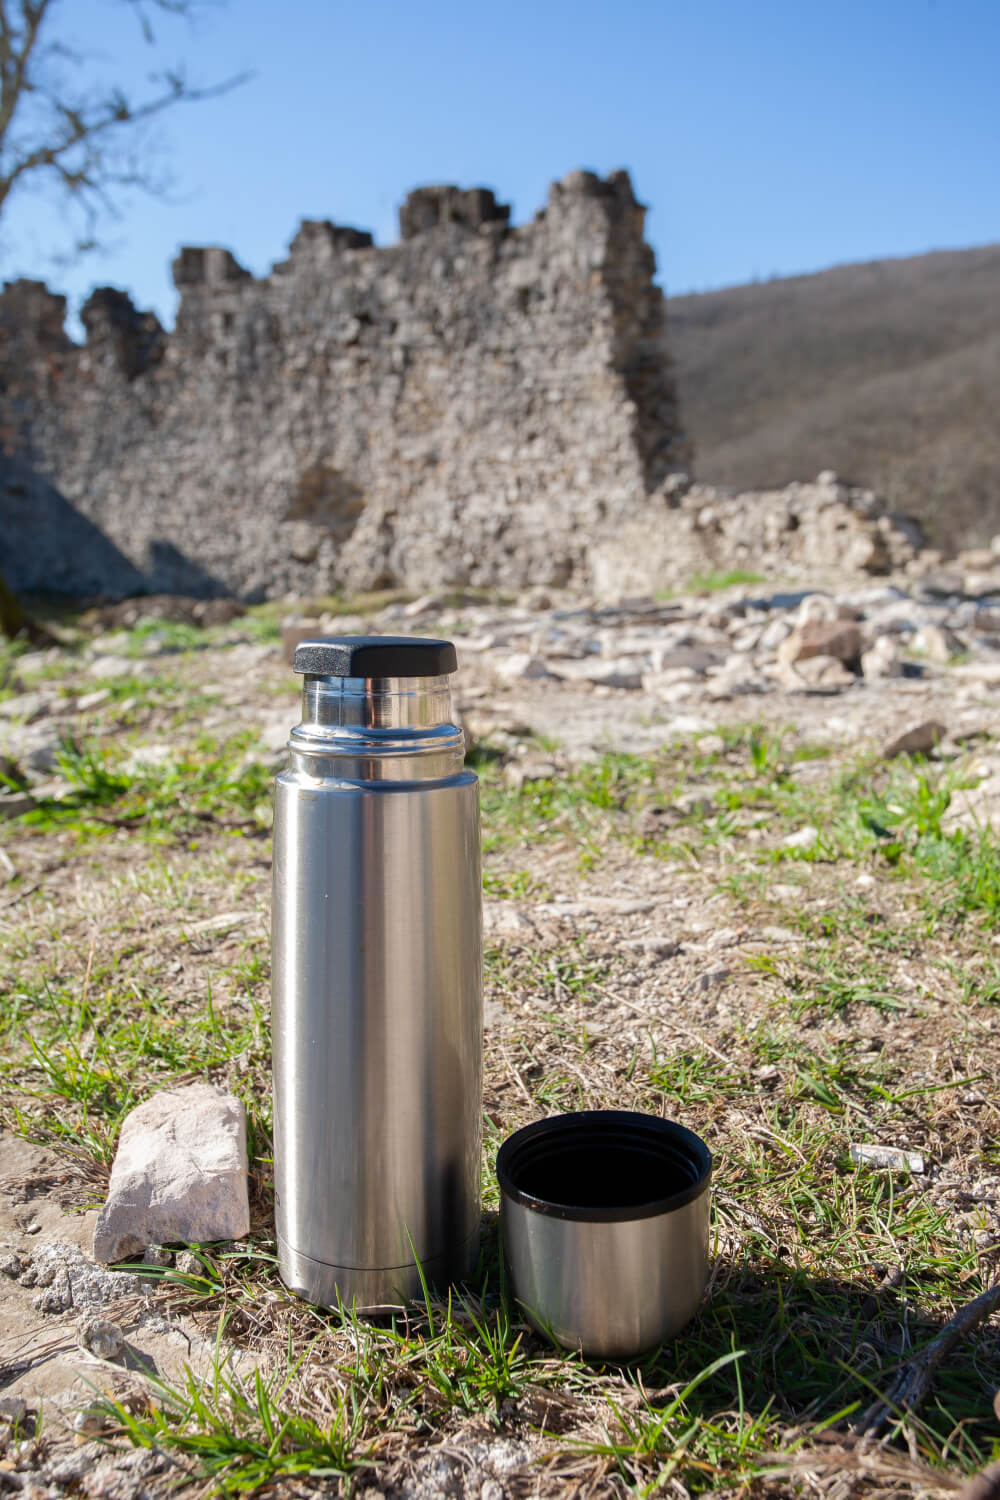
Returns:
(624,1124)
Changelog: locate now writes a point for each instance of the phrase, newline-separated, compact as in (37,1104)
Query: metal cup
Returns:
(604,1222)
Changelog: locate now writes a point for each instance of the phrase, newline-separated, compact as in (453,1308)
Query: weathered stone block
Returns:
(180,1174)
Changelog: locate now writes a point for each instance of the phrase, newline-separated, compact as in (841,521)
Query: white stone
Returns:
(773,635)
(881,659)
(888,1158)
(111,644)
(180,1174)
(25,707)
(88,701)
(519,665)
(625,672)
(815,674)
(107,667)
(816,607)
(147,758)
(936,643)
(803,838)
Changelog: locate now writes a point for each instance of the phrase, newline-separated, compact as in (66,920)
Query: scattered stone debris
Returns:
(180,1174)
(888,1158)
(68,1279)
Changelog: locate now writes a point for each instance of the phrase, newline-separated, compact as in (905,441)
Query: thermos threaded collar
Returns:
(374,656)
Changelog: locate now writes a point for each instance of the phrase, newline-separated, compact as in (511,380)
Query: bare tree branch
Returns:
(86,143)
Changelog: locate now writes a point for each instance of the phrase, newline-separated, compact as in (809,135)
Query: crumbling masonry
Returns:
(473,406)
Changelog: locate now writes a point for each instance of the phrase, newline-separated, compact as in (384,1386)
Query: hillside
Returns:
(888,372)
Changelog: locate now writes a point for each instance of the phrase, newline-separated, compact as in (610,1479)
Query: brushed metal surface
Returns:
(614,1290)
(385,1288)
(376,992)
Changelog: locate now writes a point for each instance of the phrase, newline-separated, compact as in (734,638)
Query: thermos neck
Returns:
(376,702)
(377,729)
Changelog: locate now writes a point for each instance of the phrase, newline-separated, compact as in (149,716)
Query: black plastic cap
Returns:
(374,656)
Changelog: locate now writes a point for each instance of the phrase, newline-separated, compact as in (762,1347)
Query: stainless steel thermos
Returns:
(376,978)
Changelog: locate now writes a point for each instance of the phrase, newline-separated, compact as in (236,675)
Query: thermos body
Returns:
(376,994)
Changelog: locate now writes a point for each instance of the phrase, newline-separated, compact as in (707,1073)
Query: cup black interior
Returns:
(604,1164)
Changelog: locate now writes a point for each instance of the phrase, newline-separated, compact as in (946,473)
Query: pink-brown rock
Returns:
(180,1174)
(839,638)
(917,740)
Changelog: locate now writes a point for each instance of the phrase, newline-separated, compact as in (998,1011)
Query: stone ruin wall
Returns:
(476,405)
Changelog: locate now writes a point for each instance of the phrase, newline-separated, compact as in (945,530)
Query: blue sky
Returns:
(767,138)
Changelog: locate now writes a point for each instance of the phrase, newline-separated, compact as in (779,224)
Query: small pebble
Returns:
(890,1158)
(13,1410)
(157,1255)
(33,1228)
(89,1421)
(101,1337)
(189,1264)
(10,1264)
(805,838)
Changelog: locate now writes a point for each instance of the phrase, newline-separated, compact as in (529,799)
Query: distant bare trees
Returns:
(84,142)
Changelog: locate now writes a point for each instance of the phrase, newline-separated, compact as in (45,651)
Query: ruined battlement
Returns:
(470,406)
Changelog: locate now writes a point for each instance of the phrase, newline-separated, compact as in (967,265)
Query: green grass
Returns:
(74,1063)
(714,583)
(242,1434)
(866,1020)
(891,818)
(207,785)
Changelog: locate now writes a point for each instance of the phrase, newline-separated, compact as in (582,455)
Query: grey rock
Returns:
(90,1421)
(157,1255)
(658,947)
(815,674)
(736,679)
(919,739)
(520,773)
(101,1337)
(13,1410)
(108,668)
(13,804)
(625,673)
(180,1174)
(26,707)
(519,665)
(56,1294)
(57,1264)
